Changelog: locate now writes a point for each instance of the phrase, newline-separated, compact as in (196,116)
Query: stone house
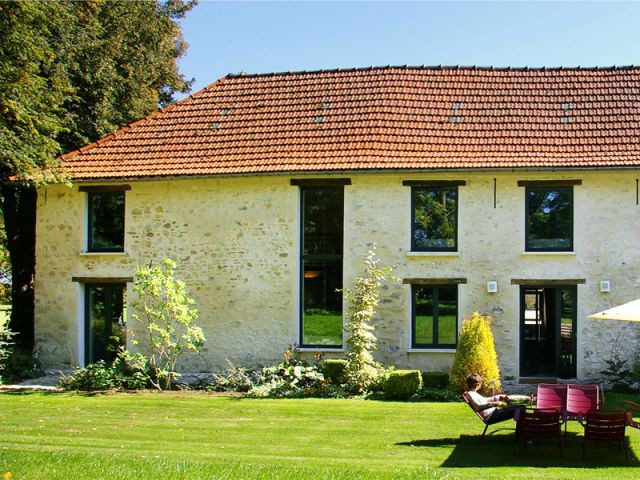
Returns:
(507,191)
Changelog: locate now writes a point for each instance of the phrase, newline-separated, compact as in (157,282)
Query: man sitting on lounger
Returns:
(490,408)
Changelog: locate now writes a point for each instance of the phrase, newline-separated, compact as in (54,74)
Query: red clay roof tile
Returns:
(379,119)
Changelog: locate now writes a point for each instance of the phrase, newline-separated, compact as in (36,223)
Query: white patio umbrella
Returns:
(629,312)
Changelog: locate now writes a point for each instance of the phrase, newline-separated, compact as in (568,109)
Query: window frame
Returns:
(88,286)
(527,205)
(91,191)
(436,344)
(436,185)
(304,184)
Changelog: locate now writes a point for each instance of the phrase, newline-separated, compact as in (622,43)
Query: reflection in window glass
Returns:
(106,221)
(434,219)
(322,227)
(105,328)
(435,316)
(550,219)
(322,321)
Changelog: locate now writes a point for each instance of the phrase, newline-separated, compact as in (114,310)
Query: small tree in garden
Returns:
(5,345)
(168,315)
(361,369)
(476,353)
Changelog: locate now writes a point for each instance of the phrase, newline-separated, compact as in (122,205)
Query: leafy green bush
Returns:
(476,353)
(233,379)
(334,371)
(435,380)
(21,366)
(129,371)
(291,380)
(438,395)
(403,384)
(5,346)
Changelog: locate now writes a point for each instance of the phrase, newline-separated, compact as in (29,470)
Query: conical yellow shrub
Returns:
(476,353)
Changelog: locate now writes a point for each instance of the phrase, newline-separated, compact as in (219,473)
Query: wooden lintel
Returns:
(320,182)
(434,183)
(433,281)
(549,183)
(102,280)
(543,282)
(103,188)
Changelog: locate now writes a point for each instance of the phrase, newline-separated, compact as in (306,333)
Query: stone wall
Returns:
(236,241)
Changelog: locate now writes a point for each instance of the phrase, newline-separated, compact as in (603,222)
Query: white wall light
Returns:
(605,286)
(492,287)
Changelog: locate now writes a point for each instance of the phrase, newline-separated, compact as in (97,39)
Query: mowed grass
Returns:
(150,435)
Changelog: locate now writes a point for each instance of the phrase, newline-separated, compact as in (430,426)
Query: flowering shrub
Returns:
(362,370)
(168,315)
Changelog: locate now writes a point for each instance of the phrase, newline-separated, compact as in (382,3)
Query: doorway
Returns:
(548,331)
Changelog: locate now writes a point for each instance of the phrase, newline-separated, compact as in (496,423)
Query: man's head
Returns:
(474,381)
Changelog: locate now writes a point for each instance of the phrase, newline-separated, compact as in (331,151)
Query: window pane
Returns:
(323,209)
(434,223)
(423,312)
(447,314)
(106,332)
(322,318)
(106,210)
(549,219)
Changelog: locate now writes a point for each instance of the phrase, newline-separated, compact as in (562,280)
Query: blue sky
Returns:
(259,37)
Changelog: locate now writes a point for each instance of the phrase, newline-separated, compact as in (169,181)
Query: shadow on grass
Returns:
(502,451)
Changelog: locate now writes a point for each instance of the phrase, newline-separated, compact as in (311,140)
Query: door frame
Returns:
(558,326)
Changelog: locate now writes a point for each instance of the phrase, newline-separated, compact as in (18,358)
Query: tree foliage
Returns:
(362,369)
(476,353)
(168,316)
(71,73)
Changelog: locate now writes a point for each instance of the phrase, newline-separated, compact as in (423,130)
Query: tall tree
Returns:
(70,73)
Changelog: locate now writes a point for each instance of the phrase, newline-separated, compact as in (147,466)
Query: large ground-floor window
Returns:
(434,316)
(105,318)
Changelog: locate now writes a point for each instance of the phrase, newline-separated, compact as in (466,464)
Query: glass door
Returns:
(547,331)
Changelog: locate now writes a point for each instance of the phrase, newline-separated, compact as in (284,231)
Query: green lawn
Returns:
(126,436)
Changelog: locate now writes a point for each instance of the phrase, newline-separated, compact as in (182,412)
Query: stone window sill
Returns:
(432,254)
(431,350)
(103,254)
(552,254)
(319,349)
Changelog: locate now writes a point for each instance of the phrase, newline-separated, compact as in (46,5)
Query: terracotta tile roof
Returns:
(382,118)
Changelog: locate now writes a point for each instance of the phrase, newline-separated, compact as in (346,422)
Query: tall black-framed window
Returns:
(434,316)
(105,321)
(549,219)
(322,227)
(434,218)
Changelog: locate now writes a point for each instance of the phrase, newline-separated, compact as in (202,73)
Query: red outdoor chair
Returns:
(552,395)
(632,409)
(580,400)
(605,426)
(539,423)
(486,421)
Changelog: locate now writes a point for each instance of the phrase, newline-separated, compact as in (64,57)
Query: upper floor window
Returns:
(549,218)
(434,215)
(105,232)
(434,317)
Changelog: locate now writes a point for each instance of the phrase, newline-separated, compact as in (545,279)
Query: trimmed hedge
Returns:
(403,384)
(334,371)
(435,379)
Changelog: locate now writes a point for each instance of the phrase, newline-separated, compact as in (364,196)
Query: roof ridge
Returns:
(435,67)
